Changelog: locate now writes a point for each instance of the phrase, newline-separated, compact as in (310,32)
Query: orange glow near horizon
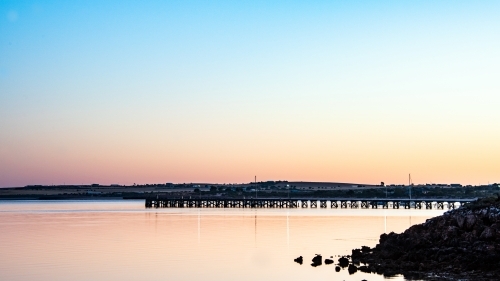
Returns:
(368,159)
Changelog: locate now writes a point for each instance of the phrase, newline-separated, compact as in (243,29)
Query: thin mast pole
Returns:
(255,187)
(409,184)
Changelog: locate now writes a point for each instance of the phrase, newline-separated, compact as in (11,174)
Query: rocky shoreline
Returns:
(462,244)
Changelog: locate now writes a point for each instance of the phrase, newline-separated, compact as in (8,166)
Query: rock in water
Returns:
(343,261)
(352,269)
(365,249)
(298,260)
(317,260)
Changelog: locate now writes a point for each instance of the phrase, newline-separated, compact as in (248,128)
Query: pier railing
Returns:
(333,203)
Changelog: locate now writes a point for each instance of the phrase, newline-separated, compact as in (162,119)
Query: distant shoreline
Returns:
(259,190)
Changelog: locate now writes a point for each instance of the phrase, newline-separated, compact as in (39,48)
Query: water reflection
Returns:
(122,240)
(288,229)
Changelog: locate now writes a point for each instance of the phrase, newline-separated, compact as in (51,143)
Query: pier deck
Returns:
(333,203)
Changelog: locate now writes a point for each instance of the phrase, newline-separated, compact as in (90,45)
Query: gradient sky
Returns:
(217,91)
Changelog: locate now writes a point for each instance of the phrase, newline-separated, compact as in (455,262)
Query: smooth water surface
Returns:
(121,240)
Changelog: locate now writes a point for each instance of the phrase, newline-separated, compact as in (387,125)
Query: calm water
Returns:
(121,240)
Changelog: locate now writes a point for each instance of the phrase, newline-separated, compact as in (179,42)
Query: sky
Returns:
(123,92)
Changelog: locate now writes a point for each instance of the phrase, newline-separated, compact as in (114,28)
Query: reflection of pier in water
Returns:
(333,203)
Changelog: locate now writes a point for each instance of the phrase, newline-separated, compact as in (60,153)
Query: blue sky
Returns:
(312,90)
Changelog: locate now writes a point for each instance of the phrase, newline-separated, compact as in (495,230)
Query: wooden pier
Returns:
(333,203)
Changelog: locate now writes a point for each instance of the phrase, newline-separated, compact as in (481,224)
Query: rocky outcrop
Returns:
(462,243)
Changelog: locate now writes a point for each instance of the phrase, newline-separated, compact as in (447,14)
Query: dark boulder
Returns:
(317,260)
(470,221)
(487,233)
(299,260)
(364,269)
(460,221)
(352,269)
(365,249)
(343,261)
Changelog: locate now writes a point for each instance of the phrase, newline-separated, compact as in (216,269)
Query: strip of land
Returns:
(267,189)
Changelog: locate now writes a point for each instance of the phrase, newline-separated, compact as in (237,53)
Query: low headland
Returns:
(461,244)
